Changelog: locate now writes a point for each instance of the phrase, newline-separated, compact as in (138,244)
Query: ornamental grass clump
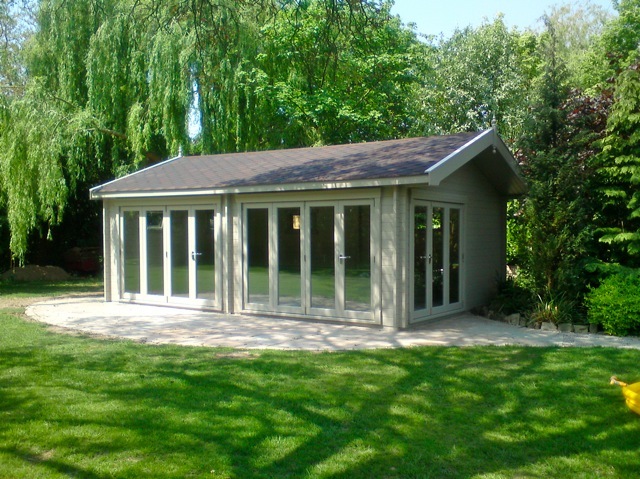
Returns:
(615,304)
(552,309)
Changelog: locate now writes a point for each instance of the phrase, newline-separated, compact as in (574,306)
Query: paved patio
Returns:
(165,325)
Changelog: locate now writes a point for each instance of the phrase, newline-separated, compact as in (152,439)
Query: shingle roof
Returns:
(360,161)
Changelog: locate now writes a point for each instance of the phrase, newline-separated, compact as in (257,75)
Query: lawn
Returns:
(78,407)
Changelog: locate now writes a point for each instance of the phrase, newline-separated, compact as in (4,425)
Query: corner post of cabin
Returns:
(233,253)
(106,249)
(110,248)
(390,258)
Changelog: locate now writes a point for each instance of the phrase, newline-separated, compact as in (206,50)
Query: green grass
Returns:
(79,407)
(21,289)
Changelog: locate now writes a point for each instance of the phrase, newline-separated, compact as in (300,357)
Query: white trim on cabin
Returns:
(293,187)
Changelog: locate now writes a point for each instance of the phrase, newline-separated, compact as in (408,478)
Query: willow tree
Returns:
(108,90)
(114,85)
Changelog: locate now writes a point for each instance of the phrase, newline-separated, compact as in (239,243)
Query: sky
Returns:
(433,17)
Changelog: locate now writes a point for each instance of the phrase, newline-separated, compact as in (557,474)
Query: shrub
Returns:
(615,304)
(512,297)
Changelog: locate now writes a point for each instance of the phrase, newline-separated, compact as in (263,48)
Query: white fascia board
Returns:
(461,156)
(508,156)
(406,180)
(94,193)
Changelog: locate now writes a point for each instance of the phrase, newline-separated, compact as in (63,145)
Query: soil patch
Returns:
(16,302)
(34,272)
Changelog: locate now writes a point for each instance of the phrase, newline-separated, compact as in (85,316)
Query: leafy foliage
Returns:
(619,165)
(553,309)
(558,214)
(116,85)
(615,304)
(481,74)
(512,297)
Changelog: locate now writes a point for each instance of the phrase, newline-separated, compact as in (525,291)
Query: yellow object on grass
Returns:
(631,393)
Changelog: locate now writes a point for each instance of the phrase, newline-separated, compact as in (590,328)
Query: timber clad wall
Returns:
(234,255)
(394,251)
(484,241)
(388,246)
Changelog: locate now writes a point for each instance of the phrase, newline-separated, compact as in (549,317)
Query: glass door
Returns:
(203,255)
(309,258)
(340,260)
(436,258)
(273,257)
(322,258)
(154,251)
(289,253)
(257,269)
(130,253)
(171,255)
(179,253)
(193,256)
(356,259)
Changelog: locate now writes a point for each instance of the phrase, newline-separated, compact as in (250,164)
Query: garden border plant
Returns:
(615,303)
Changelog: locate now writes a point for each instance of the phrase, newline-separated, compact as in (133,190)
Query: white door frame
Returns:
(166,297)
(339,311)
(430,310)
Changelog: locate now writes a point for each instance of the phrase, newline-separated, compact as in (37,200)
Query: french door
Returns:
(192,256)
(171,255)
(437,258)
(312,258)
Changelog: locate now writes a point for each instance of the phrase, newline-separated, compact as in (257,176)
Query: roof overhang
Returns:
(95,193)
(486,150)
(493,158)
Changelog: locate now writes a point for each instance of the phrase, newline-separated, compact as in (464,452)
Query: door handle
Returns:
(194,254)
(343,257)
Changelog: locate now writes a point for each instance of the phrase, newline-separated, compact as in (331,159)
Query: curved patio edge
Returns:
(169,325)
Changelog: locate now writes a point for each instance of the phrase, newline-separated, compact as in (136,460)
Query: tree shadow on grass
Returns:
(516,415)
(421,412)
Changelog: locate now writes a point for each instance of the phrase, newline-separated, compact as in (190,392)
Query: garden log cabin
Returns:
(386,233)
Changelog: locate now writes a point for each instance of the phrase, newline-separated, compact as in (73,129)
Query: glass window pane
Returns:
(289,273)
(179,253)
(420,258)
(155,253)
(454,255)
(205,254)
(323,290)
(258,255)
(438,257)
(131,251)
(357,236)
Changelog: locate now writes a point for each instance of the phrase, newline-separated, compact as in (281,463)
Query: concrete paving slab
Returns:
(168,325)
